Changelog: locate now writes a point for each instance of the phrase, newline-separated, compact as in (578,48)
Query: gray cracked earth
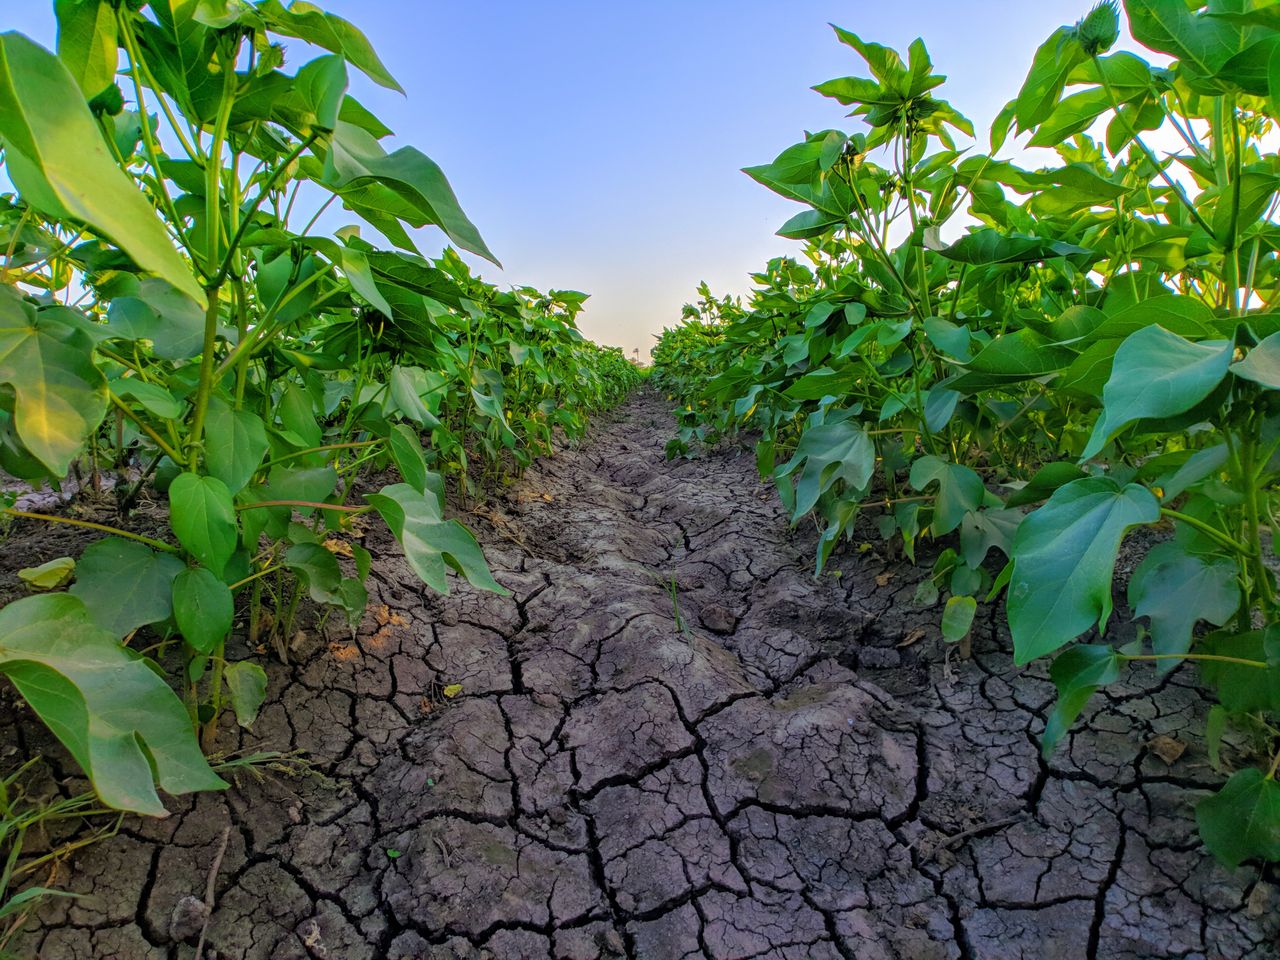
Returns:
(793,769)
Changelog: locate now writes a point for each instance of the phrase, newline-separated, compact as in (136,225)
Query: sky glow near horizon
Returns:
(598,146)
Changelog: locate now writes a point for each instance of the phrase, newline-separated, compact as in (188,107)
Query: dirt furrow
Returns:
(673,741)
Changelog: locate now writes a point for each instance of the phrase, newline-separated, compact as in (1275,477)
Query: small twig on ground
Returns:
(209,888)
(972,832)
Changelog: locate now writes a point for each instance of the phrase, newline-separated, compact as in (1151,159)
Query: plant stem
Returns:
(1210,531)
(195,442)
(313,504)
(114,531)
(1213,657)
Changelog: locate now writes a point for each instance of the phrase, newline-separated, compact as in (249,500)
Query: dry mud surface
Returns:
(792,770)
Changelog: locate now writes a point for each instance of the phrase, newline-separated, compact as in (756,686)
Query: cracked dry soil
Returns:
(790,770)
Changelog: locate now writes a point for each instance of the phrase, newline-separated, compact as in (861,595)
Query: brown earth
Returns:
(674,742)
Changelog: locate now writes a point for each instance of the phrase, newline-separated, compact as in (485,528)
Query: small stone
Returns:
(718,619)
(189,917)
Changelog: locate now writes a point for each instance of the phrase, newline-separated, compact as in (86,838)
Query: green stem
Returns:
(321,449)
(254,576)
(1210,531)
(1213,657)
(114,531)
(267,187)
(195,442)
(309,504)
(148,430)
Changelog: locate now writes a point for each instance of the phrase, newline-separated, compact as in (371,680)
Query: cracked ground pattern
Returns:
(674,742)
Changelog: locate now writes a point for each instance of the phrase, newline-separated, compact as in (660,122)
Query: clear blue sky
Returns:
(597,143)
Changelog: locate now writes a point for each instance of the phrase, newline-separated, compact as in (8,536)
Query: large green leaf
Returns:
(825,455)
(960,491)
(60,397)
(1242,820)
(235,443)
(1052,64)
(406,185)
(56,157)
(87,42)
(985,246)
(406,450)
(431,543)
(1204,44)
(202,607)
(157,312)
(1064,558)
(1012,358)
(1157,374)
(1176,589)
(308,22)
(125,584)
(203,519)
(117,718)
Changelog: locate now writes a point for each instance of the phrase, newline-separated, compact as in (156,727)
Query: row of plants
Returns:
(1092,350)
(169,318)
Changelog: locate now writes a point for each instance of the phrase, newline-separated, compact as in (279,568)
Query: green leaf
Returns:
(20,900)
(948,337)
(155,311)
(125,584)
(308,22)
(150,396)
(48,576)
(202,607)
(322,84)
(1169,26)
(203,518)
(235,443)
(406,451)
(1064,557)
(1052,64)
(297,412)
(318,570)
(1242,688)
(405,185)
(1262,363)
(430,542)
(406,386)
(960,491)
(1077,673)
(56,157)
(1176,589)
(118,719)
(1185,316)
(825,455)
(957,618)
(1157,374)
(355,267)
(87,42)
(1242,820)
(1046,480)
(1013,358)
(247,684)
(986,246)
(60,397)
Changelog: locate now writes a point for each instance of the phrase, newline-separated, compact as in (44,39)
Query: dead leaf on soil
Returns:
(1167,748)
(915,636)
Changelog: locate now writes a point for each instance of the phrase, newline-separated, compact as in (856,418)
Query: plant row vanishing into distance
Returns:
(1098,345)
(167,314)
